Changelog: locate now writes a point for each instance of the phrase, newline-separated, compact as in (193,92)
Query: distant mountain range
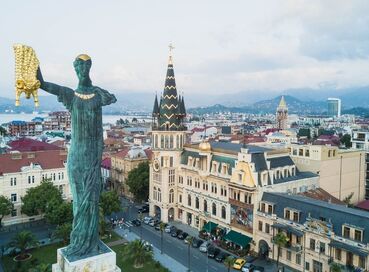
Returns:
(301,101)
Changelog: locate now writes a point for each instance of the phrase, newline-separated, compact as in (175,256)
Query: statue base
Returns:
(104,262)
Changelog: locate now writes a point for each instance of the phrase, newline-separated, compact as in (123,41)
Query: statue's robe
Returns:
(84,162)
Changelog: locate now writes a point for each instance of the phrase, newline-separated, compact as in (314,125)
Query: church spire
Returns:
(155,111)
(282,104)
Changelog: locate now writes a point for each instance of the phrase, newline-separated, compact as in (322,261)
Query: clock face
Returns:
(156,165)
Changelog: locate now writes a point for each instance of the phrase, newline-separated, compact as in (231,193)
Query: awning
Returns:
(288,229)
(347,247)
(237,238)
(209,226)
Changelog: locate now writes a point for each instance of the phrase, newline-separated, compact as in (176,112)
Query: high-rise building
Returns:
(282,115)
(334,107)
(360,140)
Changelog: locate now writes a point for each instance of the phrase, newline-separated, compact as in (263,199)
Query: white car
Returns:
(204,246)
(147,219)
(169,228)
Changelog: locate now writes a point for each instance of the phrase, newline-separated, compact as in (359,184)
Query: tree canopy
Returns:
(37,199)
(346,140)
(59,213)
(109,202)
(6,207)
(138,181)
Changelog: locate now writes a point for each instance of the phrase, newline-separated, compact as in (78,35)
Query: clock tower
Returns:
(168,138)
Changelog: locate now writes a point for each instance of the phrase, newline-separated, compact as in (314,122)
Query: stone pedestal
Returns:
(104,262)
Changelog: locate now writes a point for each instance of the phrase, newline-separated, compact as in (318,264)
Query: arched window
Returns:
(197,203)
(171,141)
(205,206)
(177,141)
(214,209)
(161,141)
(166,141)
(188,200)
(155,194)
(171,196)
(181,141)
(159,195)
(223,212)
(156,141)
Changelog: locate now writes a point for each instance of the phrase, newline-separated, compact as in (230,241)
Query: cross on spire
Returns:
(171,47)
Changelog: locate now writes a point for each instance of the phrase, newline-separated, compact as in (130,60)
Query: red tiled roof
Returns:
(122,153)
(364,205)
(48,159)
(106,163)
(26,144)
(148,152)
(323,195)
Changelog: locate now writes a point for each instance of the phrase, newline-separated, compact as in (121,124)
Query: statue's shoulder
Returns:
(106,97)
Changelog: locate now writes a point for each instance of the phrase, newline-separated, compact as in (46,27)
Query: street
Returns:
(173,247)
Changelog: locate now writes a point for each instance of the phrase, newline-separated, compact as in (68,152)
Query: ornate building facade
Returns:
(282,115)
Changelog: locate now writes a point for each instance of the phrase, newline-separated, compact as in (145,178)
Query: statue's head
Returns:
(82,66)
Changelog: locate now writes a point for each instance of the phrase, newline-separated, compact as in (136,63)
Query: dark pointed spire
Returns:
(183,107)
(155,111)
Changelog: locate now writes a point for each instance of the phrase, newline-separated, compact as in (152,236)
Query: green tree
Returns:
(347,200)
(104,227)
(42,267)
(63,232)
(138,181)
(109,202)
(6,207)
(280,240)
(3,131)
(304,132)
(228,262)
(346,140)
(37,199)
(134,120)
(162,227)
(22,241)
(58,213)
(335,267)
(138,252)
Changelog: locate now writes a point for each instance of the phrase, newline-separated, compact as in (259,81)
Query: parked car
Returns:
(221,256)
(258,269)
(182,235)
(196,242)
(157,226)
(153,222)
(248,267)
(213,251)
(238,263)
(148,246)
(204,246)
(187,239)
(169,228)
(175,233)
(144,209)
(136,222)
(147,219)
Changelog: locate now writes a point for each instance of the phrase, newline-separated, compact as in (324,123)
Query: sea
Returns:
(107,119)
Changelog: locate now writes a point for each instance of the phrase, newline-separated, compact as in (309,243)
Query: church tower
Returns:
(282,115)
(168,138)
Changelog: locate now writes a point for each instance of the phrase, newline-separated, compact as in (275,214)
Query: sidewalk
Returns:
(164,259)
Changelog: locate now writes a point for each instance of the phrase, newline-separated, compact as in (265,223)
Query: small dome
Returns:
(205,146)
(136,152)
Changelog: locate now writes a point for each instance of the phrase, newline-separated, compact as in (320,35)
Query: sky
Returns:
(221,47)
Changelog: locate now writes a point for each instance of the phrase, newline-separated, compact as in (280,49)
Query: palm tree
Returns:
(63,232)
(138,252)
(335,267)
(189,253)
(42,267)
(22,241)
(280,240)
(162,227)
(228,262)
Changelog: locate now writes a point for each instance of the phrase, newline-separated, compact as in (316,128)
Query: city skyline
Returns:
(269,46)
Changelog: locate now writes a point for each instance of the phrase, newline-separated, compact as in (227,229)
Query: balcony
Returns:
(290,246)
(241,204)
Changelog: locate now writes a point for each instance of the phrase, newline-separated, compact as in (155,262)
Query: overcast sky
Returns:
(221,46)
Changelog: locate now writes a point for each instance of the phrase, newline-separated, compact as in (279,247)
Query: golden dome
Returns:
(205,146)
